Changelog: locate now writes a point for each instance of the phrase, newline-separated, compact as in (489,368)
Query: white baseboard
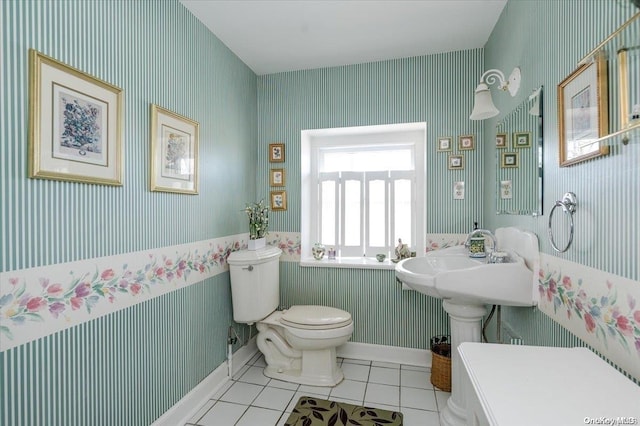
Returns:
(187,407)
(399,355)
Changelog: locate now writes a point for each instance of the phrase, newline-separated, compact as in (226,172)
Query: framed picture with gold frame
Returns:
(174,152)
(456,162)
(276,153)
(509,160)
(444,144)
(582,112)
(277,177)
(502,140)
(278,200)
(466,142)
(75,124)
(628,69)
(522,140)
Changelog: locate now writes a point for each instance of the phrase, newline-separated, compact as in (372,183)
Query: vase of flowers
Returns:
(258,215)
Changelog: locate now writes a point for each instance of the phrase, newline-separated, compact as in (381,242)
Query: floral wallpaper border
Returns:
(600,308)
(40,301)
(290,244)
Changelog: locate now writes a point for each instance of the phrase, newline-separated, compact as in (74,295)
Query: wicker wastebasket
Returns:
(441,362)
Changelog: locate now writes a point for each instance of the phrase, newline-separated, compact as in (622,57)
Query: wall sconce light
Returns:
(483,106)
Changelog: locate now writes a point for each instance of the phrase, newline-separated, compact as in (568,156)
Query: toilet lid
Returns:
(316,317)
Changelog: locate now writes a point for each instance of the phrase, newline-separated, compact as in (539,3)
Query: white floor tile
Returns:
(385,364)
(223,389)
(254,375)
(202,411)
(422,399)
(274,398)
(242,393)
(223,413)
(245,401)
(281,384)
(382,394)
(241,371)
(256,416)
(413,417)
(316,390)
(415,379)
(349,389)
(414,368)
(355,372)
(385,376)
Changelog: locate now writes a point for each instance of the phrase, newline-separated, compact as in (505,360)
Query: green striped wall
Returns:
(547,39)
(129,367)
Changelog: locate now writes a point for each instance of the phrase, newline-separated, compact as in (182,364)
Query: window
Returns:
(363,188)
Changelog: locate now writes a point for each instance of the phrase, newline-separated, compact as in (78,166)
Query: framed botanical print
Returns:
(456,162)
(174,152)
(582,112)
(522,140)
(276,153)
(278,200)
(509,160)
(501,140)
(466,142)
(444,144)
(75,124)
(277,177)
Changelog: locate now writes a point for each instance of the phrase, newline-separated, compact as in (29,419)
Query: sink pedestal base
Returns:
(465,320)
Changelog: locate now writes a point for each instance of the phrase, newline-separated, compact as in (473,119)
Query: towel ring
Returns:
(568,204)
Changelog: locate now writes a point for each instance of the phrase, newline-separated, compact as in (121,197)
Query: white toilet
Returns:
(299,344)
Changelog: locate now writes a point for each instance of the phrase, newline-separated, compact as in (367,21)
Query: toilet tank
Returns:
(255,283)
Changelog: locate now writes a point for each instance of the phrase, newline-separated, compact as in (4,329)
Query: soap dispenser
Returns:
(476,243)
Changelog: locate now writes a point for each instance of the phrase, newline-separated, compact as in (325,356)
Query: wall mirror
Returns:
(519,158)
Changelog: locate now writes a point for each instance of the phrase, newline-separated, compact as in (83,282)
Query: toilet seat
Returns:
(313,317)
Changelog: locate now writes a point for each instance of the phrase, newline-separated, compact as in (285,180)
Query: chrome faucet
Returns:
(485,232)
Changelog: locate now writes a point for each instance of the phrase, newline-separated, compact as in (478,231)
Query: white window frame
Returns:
(413,134)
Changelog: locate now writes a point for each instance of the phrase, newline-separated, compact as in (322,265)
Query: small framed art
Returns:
(75,124)
(278,200)
(501,140)
(522,140)
(509,160)
(444,144)
(456,162)
(466,142)
(174,152)
(277,177)
(276,153)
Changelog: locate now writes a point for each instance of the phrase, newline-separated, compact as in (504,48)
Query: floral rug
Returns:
(320,412)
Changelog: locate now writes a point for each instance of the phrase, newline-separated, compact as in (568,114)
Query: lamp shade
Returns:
(483,106)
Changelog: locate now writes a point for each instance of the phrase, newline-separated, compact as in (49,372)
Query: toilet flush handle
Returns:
(249,268)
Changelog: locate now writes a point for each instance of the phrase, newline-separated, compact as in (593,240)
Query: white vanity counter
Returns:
(533,385)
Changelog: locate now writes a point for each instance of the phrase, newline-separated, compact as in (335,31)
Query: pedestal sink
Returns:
(466,285)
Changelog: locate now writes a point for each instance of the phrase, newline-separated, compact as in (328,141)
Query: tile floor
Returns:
(252,399)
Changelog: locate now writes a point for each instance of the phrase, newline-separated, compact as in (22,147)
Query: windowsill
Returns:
(348,262)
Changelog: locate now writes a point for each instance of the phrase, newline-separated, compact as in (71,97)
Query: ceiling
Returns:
(275,36)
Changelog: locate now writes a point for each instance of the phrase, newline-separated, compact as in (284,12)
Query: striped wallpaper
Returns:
(127,367)
(547,39)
